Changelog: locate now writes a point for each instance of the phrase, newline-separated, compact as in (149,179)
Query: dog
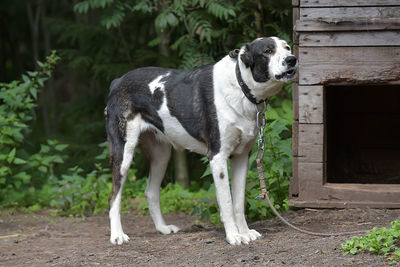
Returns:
(210,110)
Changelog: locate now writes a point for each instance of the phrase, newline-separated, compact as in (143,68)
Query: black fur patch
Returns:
(133,94)
(256,58)
(190,98)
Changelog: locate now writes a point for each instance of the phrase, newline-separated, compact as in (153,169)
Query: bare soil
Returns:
(38,239)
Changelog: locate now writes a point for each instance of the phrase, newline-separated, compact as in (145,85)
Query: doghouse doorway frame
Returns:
(309,186)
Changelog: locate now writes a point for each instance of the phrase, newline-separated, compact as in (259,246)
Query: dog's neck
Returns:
(233,94)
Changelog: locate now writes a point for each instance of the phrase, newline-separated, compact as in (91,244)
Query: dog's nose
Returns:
(291,61)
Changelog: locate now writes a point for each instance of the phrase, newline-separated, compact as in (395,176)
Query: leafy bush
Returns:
(22,173)
(384,242)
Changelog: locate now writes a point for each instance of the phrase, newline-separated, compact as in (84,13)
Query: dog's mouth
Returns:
(287,75)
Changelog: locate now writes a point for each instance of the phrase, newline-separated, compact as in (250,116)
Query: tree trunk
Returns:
(34,12)
(180,168)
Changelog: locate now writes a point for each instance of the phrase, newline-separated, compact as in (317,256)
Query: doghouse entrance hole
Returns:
(363,134)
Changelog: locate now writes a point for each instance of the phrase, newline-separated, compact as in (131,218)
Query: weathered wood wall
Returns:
(338,42)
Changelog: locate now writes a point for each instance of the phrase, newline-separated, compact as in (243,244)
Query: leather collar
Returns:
(245,88)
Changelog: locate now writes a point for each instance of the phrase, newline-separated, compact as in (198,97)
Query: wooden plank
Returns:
(295,138)
(295,17)
(295,3)
(311,143)
(294,182)
(354,192)
(312,134)
(366,24)
(311,104)
(295,99)
(348,195)
(377,38)
(367,188)
(332,3)
(311,153)
(350,12)
(341,204)
(349,65)
(310,176)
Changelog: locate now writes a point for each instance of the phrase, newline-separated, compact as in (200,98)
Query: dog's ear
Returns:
(246,57)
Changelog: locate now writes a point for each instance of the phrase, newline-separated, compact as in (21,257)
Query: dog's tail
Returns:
(115,128)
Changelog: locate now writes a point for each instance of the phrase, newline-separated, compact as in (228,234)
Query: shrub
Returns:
(21,173)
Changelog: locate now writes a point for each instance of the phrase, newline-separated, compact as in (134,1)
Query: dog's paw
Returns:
(167,229)
(119,238)
(253,235)
(237,239)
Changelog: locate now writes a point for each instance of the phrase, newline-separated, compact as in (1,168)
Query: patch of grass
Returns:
(384,242)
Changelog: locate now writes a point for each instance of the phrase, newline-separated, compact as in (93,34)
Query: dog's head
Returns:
(269,59)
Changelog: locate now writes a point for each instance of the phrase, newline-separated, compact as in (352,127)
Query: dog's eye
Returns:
(268,51)
(287,48)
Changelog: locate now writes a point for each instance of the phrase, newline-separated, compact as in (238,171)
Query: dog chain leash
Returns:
(260,120)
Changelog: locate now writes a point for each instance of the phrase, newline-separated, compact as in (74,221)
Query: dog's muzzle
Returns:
(287,75)
(291,63)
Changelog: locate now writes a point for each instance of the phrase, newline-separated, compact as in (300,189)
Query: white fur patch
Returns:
(133,130)
(235,113)
(156,83)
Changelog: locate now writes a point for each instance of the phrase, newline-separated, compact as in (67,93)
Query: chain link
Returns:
(260,120)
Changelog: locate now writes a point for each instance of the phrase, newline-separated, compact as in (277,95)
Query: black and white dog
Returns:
(210,110)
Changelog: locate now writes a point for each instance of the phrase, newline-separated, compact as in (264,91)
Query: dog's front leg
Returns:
(221,180)
(239,169)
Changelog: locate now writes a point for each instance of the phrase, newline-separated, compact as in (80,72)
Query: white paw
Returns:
(167,229)
(119,238)
(237,239)
(253,235)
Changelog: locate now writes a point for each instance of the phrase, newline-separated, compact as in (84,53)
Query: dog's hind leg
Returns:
(121,167)
(159,153)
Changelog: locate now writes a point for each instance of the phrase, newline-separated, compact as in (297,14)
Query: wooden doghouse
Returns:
(346,134)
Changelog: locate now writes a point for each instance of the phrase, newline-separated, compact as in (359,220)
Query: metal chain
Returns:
(260,120)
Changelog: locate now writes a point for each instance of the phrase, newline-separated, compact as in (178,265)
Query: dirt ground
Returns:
(38,239)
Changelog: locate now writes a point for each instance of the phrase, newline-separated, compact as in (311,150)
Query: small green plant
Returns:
(384,242)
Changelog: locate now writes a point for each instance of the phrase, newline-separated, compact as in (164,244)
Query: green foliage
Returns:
(176,199)
(81,194)
(21,173)
(384,242)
